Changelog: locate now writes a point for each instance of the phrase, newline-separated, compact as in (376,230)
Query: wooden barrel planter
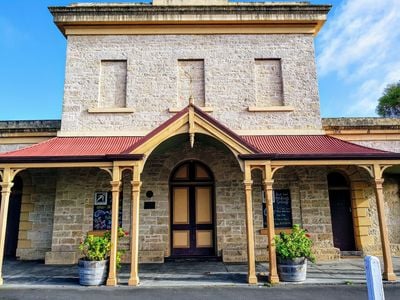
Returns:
(92,272)
(292,270)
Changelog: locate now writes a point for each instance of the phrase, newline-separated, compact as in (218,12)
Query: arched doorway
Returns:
(341,212)
(14,212)
(192,210)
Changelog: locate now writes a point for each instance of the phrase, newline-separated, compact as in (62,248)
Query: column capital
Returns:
(136,185)
(268,182)
(247,184)
(6,187)
(136,182)
(379,182)
(115,185)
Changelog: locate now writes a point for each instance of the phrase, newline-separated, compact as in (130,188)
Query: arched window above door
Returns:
(192,171)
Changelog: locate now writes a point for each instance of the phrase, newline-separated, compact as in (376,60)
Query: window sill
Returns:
(264,231)
(205,109)
(270,108)
(106,110)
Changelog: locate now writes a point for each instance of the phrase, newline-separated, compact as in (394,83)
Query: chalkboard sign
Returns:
(103,209)
(282,209)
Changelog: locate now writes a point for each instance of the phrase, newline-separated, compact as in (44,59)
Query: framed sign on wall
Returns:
(282,209)
(102,211)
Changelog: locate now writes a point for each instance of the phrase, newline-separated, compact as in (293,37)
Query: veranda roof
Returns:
(271,147)
(268,146)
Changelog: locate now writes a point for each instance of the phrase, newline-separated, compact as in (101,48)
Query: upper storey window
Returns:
(113,83)
(269,86)
(112,88)
(268,78)
(191,82)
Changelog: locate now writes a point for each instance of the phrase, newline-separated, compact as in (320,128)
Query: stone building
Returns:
(196,124)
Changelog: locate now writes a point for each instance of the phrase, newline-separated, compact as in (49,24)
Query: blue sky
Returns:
(357,56)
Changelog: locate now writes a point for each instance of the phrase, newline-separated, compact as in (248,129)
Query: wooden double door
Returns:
(192,210)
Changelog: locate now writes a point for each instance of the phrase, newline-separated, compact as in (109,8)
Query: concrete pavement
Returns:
(282,292)
(184,274)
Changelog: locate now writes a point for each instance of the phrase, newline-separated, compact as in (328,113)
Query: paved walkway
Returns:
(176,274)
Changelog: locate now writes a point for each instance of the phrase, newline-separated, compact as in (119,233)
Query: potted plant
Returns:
(93,266)
(292,251)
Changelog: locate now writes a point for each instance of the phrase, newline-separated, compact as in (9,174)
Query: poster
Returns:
(282,209)
(102,211)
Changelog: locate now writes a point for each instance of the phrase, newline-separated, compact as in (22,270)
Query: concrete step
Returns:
(350,254)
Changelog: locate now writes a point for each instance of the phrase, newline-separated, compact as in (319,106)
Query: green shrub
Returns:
(97,248)
(294,245)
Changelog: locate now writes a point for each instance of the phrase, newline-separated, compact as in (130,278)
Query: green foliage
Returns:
(97,248)
(294,245)
(389,103)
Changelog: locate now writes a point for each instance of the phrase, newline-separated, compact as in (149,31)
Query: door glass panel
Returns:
(201,173)
(204,239)
(181,205)
(181,239)
(203,205)
(183,172)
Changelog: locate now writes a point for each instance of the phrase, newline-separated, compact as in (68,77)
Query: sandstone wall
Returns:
(37,210)
(57,208)
(74,205)
(152,79)
(392,210)
(393,146)
(12,147)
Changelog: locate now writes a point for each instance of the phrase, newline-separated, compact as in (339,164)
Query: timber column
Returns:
(135,204)
(6,186)
(388,273)
(273,273)
(251,273)
(115,189)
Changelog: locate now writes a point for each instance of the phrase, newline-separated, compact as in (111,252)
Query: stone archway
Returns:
(155,236)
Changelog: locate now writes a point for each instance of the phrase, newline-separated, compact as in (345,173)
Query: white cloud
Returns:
(360,32)
(360,45)
(365,96)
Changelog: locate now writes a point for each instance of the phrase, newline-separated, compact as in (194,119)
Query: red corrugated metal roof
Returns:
(76,146)
(269,146)
(283,146)
(306,144)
